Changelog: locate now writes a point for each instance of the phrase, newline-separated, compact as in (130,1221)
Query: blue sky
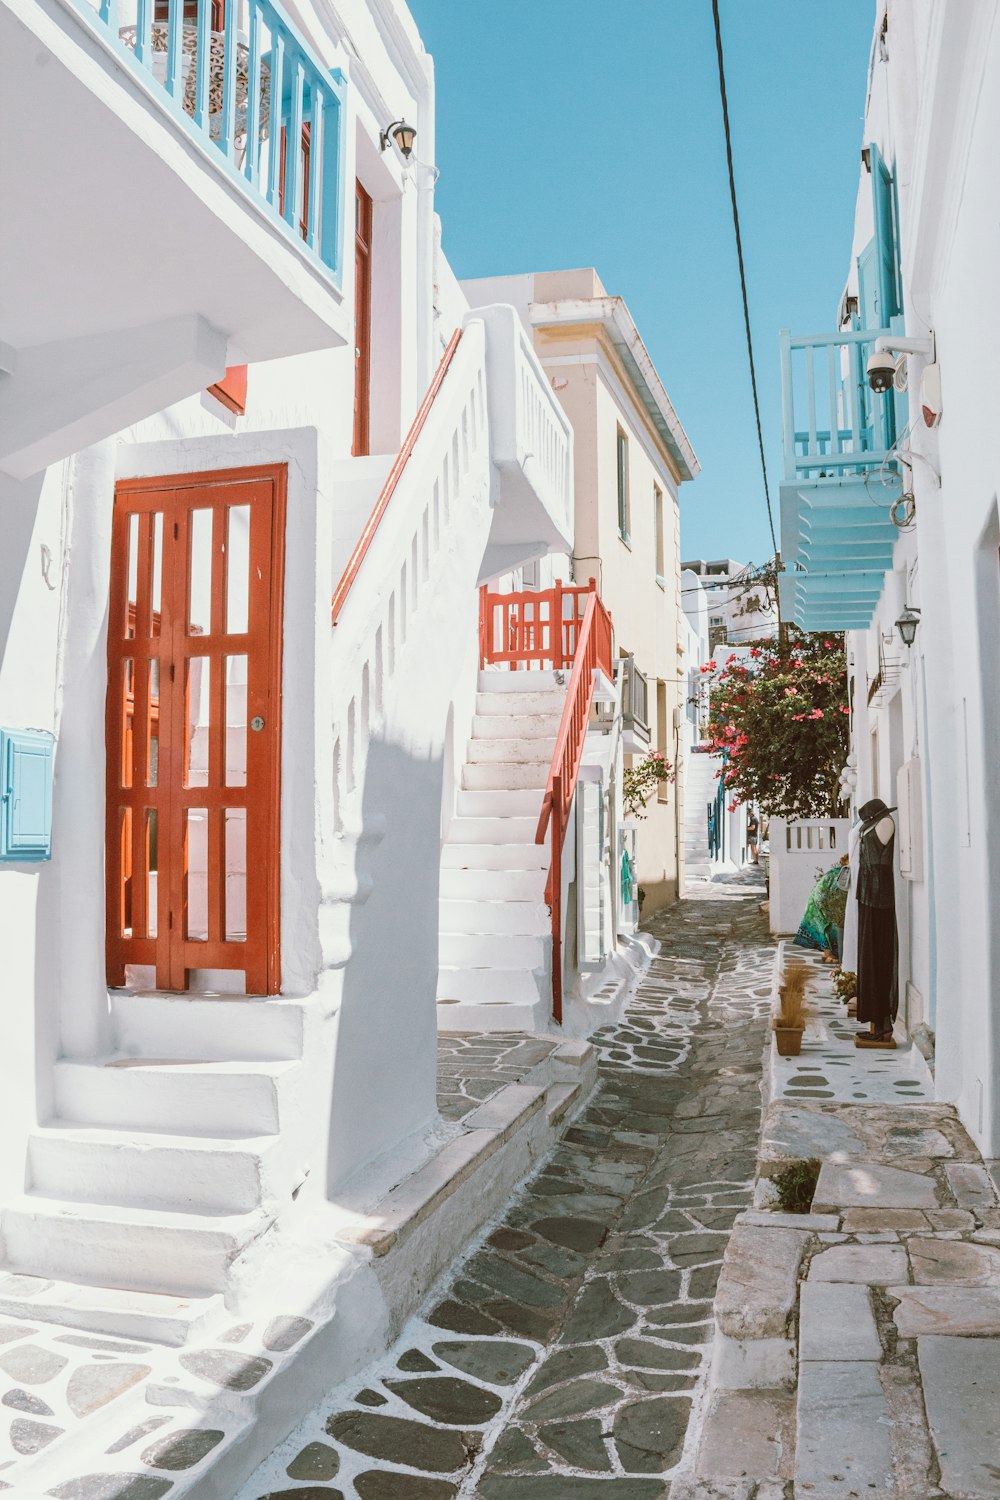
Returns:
(589,132)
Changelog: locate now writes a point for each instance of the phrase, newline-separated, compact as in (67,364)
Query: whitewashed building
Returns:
(889,514)
(740,608)
(257,460)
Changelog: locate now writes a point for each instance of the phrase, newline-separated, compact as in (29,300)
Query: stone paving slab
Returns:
(567,1354)
(961,1381)
(842,1442)
(748,1433)
(836,1322)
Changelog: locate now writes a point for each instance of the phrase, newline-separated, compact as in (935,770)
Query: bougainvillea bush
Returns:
(782,719)
(641,781)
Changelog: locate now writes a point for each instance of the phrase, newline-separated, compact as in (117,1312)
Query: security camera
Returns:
(881,371)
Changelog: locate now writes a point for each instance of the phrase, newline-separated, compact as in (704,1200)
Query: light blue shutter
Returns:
(26,796)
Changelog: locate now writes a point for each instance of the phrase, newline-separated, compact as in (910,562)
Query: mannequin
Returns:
(878,997)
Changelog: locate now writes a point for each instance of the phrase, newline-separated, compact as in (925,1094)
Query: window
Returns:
(531,574)
(624,530)
(658,523)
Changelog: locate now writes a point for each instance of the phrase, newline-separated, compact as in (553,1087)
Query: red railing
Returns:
(532,629)
(357,557)
(593,652)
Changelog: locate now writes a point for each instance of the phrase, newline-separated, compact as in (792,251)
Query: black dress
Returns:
(878,985)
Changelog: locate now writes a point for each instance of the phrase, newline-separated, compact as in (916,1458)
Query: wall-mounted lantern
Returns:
(404,135)
(907,625)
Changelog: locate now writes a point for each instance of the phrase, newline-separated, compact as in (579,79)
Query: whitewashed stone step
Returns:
(112,1311)
(148,1170)
(503,681)
(516,726)
(503,775)
(516,748)
(501,988)
(481,830)
(561,1098)
(181,1026)
(552,701)
(514,886)
(500,803)
(198,1098)
(526,856)
(471,1016)
(149,1250)
(499,951)
(485,915)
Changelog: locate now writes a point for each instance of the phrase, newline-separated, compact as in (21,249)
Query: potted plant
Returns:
(790,1021)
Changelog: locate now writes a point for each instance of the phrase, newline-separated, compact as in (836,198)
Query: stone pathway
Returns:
(567,1354)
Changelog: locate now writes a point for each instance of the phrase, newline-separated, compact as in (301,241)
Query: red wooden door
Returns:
(362,319)
(194,727)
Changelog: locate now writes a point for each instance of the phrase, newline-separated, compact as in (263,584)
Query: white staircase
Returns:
(495,943)
(699,789)
(162,1166)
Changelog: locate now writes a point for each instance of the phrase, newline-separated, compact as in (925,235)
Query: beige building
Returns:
(631,455)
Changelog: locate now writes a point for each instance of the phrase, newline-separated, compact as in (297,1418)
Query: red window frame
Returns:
(360,445)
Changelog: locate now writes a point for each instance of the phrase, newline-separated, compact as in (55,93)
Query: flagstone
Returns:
(961,1378)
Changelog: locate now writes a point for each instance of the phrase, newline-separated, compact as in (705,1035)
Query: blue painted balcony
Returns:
(176,204)
(840,479)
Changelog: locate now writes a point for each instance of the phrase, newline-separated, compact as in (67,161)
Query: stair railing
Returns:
(532,629)
(593,653)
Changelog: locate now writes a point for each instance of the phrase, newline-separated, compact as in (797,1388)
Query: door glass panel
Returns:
(238,570)
(153,732)
(128,715)
(200,610)
(236,721)
(151,872)
(199,680)
(236,874)
(157,578)
(125,848)
(133,575)
(196,875)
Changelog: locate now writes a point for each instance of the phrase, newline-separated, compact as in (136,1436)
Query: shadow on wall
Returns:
(385,1063)
(19,501)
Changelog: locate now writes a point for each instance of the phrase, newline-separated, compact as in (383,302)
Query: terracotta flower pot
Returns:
(789,1040)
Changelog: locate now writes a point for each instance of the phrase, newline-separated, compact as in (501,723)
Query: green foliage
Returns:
(796,1184)
(846,984)
(640,782)
(782,720)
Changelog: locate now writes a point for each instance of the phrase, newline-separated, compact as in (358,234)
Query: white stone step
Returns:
(514,830)
(487,776)
(196,1098)
(146,1170)
(516,726)
(493,886)
(500,803)
(494,987)
(521,749)
(148,1250)
(504,681)
(550,701)
(561,1099)
(526,856)
(494,916)
(111,1311)
(180,1026)
(492,951)
(529,1016)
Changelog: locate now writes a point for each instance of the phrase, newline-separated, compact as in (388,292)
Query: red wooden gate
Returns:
(194,726)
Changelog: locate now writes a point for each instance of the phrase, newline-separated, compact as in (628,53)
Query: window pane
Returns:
(236,721)
(151,872)
(200,617)
(157,578)
(199,679)
(196,882)
(238,570)
(236,874)
(133,574)
(128,714)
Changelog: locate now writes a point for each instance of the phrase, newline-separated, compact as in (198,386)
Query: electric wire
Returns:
(739,255)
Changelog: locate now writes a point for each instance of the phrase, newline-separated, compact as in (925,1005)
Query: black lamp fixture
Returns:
(404,135)
(907,625)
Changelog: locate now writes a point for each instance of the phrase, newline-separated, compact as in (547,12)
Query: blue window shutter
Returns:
(886,238)
(26,795)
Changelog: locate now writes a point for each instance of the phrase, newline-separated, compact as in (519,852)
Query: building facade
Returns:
(889,516)
(631,457)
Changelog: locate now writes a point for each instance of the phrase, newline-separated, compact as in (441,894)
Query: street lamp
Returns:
(404,135)
(907,625)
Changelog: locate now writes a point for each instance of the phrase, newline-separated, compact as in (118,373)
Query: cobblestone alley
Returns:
(567,1354)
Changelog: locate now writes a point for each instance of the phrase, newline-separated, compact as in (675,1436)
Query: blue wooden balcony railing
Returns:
(833,423)
(254,93)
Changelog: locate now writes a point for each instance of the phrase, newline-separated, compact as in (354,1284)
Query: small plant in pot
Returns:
(790,1021)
